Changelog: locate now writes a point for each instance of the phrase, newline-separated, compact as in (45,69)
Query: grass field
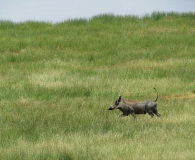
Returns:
(58,80)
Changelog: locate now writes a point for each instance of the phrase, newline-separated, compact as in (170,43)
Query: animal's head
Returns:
(116,103)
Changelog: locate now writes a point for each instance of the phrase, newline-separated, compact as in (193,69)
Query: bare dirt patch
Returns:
(183,96)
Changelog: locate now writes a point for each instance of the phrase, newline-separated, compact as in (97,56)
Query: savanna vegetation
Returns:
(58,80)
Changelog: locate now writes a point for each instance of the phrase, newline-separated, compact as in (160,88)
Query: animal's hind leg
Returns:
(156,112)
(151,114)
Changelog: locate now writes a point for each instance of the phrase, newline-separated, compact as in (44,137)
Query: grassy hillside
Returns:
(57,81)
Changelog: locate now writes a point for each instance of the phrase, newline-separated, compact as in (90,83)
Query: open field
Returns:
(58,80)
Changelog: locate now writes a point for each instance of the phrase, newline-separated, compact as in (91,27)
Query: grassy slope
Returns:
(57,81)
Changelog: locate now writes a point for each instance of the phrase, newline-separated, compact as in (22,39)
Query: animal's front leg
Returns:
(123,115)
(134,116)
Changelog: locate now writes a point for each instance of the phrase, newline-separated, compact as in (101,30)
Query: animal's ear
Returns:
(119,99)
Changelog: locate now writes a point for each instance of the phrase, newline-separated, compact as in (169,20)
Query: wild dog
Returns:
(141,107)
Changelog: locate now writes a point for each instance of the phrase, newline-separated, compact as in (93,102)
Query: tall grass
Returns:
(57,81)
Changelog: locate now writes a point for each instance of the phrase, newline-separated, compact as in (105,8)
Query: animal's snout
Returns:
(111,108)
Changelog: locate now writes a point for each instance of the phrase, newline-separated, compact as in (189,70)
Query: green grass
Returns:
(57,81)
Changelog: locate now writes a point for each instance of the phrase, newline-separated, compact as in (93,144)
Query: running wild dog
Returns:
(141,107)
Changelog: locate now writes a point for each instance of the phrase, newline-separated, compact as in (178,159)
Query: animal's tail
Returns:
(157,95)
